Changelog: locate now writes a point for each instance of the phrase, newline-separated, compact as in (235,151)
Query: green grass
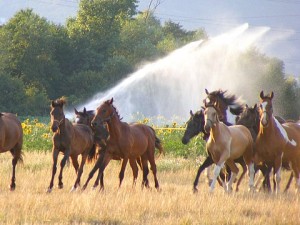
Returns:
(38,137)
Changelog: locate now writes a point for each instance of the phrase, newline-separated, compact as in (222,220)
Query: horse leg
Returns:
(153,167)
(207,162)
(217,170)
(54,168)
(277,173)
(79,173)
(100,178)
(122,171)
(244,167)
(100,164)
(75,163)
(234,172)
(295,168)
(16,153)
(62,165)
(135,170)
(144,159)
(289,182)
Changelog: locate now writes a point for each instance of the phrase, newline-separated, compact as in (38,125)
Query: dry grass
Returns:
(175,204)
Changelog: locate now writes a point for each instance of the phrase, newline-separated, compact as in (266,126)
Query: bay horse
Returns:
(70,139)
(277,143)
(11,139)
(227,143)
(130,141)
(101,134)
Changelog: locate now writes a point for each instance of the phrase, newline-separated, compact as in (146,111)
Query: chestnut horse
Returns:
(277,143)
(11,139)
(250,118)
(130,141)
(227,143)
(70,139)
(101,135)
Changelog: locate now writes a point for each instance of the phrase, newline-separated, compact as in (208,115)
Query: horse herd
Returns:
(258,141)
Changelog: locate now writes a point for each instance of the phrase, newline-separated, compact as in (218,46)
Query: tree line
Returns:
(103,43)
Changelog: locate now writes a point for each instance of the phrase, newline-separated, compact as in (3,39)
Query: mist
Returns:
(173,85)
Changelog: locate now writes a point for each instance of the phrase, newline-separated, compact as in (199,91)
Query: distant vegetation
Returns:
(106,41)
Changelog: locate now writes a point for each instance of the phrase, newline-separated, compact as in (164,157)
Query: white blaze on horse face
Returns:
(284,133)
(264,117)
(207,100)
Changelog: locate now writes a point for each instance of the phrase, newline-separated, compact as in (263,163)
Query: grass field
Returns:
(174,204)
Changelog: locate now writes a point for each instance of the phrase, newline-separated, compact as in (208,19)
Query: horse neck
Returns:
(115,126)
(63,128)
(215,131)
(266,131)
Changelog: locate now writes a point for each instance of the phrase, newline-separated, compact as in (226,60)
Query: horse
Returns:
(70,139)
(195,126)
(277,143)
(227,143)
(11,139)
(130,141)
(101,134)
(250,118)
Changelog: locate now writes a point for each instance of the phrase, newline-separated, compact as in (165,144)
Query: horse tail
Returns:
(92,154)
(158,145)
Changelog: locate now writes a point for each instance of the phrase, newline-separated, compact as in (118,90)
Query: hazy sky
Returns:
(215,16)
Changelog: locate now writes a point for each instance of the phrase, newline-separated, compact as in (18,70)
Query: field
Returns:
(174,204)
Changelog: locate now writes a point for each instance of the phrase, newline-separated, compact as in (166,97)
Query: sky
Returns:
(215,16)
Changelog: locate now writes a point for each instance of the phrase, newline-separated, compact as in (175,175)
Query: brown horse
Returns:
(277,143)
(227,143)
(70,139)
(11,139)
(130,141)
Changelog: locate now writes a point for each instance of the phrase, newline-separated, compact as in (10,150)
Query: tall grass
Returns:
(174,204)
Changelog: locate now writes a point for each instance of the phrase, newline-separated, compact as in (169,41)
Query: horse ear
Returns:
(206,91)
(191,113)
(53,103)
(255,106)
(272,95)
(261,95)
(75,110)
(111,100)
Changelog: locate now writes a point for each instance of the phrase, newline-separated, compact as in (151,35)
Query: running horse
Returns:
(70,139)
(130,141)
(277,142)
(226,144)
(11,139)
(250,118)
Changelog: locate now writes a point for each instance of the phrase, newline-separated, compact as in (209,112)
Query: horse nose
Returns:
(54,128)
(184,140)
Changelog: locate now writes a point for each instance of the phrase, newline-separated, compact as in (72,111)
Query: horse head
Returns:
(249,117)
(57,115)
(210,116)
(265,108)
(195,125)
(84,117)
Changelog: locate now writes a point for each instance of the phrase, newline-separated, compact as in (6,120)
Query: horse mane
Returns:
(108,102)
(236,107)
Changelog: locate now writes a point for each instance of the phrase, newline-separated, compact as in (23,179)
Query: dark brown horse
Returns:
(128,141)
(277,143)
(70,139)
(11,139)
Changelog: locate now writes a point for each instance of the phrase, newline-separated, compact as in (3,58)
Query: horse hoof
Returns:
(49,190)
(73,189)
(12,187)
(195,190)
(60,186)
